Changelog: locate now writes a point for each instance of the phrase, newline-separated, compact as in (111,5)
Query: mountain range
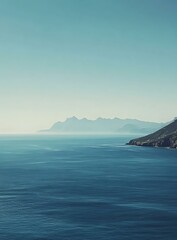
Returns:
(165,137)
(104,125)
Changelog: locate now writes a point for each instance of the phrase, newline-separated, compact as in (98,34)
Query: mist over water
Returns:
(86,188)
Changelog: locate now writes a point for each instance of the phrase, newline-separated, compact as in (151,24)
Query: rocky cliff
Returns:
(165,137)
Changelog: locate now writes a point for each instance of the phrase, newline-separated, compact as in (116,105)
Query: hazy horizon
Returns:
(72,120)
(86,58)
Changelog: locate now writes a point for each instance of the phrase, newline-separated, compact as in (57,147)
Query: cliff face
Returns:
(165,137)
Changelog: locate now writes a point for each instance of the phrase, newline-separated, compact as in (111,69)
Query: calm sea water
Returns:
(86,188)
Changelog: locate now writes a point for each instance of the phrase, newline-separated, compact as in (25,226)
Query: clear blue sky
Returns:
(88,58)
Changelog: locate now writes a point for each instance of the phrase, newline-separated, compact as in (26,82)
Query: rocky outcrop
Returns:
(165,137)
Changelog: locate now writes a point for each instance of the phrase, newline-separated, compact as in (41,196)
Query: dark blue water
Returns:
(86,188)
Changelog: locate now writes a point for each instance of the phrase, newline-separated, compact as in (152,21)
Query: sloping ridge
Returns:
(165,137)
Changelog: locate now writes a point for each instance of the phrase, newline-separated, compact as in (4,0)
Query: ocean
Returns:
(86,188)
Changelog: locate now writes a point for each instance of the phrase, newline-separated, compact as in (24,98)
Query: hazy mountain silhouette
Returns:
(165,137)
(104,125)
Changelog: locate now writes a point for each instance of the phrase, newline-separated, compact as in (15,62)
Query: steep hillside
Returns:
(165,137)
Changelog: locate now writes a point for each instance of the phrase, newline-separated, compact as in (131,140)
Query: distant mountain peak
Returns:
(72,119)
(103,125)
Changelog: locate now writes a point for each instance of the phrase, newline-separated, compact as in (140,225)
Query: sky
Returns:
(86,58)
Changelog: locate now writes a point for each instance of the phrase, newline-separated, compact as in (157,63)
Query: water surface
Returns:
(86,188)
